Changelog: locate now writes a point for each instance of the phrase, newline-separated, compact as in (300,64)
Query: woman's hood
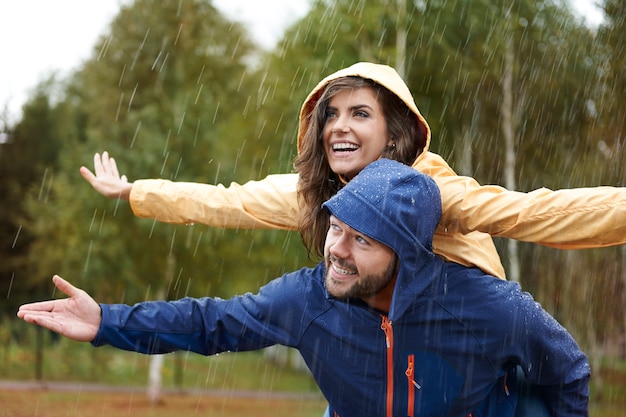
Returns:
(381,74)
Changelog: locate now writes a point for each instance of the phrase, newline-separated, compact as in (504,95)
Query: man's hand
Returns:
(77,318)
(107,180)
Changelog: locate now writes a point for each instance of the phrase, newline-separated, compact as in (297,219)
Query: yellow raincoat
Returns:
(567,219)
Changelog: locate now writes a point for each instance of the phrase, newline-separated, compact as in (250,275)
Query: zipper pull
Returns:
(410,372)
(506,387)
(386,326)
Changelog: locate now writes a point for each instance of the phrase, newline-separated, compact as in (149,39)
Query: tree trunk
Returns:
(508,127)
(39,353)
(401,35)
(155,379)
(155,373)
(623,275)
(466,158)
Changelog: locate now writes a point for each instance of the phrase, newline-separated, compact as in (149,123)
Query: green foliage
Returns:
(28,161)
(458,60)
(164,94)
(610,97)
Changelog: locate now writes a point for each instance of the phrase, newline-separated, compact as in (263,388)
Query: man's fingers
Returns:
(65,287)
(48,306)
(33,308)
(44,321)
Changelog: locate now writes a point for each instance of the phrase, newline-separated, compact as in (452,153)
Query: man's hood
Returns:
(381,74)
(398,206)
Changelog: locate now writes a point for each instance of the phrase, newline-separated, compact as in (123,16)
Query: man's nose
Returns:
(339,248)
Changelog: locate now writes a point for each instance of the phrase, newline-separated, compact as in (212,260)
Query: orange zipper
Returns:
(386,326)
(412,384)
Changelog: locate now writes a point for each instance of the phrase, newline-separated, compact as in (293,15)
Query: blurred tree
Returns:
(167,92)
(28,160)
(609,103)
(28,164)
(609,100)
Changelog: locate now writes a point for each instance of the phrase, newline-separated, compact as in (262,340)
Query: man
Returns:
(385,326)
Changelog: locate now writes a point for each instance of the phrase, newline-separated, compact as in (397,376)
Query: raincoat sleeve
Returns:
(207,325)
(575,218)
(270,203)
(551,359)
(513,329)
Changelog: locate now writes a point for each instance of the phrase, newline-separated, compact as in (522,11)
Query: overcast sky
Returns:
(38,37)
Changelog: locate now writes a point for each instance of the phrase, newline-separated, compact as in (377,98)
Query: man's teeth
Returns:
(345,147)
(343,271)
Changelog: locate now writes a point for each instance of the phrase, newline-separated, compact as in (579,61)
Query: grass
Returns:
(67,404)
(42,403)
(110,382)
(64,360)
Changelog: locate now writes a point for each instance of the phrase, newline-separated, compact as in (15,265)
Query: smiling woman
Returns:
(355,132)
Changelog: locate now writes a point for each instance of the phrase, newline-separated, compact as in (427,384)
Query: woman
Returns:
(566,219)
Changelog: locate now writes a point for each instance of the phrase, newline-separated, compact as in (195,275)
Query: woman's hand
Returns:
(107,180)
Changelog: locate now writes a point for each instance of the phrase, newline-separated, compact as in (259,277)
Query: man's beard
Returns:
(367,286)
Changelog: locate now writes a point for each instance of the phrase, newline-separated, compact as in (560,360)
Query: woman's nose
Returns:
(341,125)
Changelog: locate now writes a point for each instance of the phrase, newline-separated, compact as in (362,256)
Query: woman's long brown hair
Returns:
(317,182)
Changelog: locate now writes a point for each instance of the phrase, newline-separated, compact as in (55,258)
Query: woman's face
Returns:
(355,133)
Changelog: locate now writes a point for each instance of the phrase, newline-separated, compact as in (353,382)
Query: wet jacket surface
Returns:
(566,219)
(446,347)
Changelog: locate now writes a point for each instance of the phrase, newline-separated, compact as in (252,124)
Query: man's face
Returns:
(358,266)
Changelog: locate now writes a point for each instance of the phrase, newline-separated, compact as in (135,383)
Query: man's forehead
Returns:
(352,230)
(335,219)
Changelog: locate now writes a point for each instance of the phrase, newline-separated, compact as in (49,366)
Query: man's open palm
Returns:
(77,317)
